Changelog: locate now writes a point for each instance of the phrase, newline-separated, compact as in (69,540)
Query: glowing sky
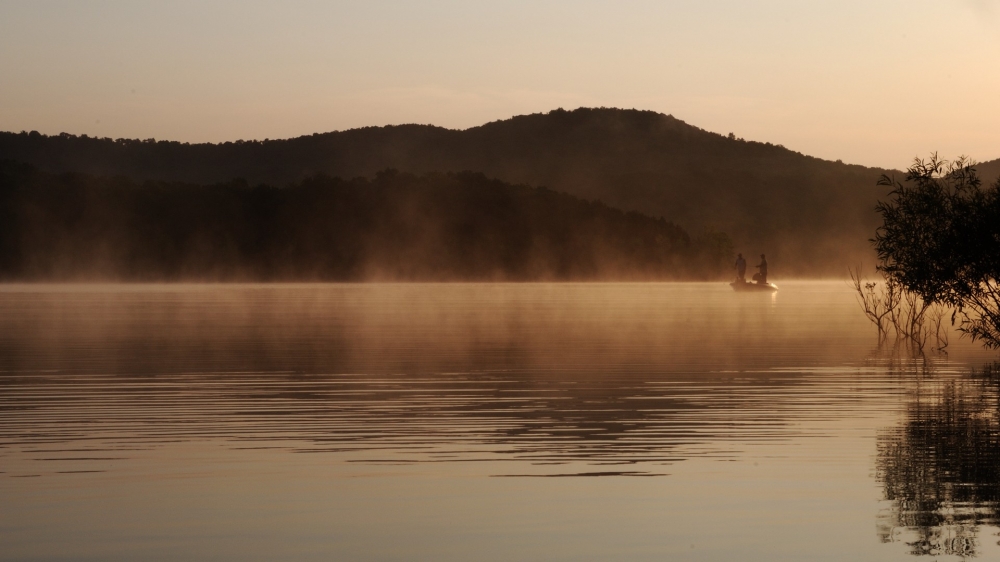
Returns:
(870,82)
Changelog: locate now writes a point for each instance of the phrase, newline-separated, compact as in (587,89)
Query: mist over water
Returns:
(536,421)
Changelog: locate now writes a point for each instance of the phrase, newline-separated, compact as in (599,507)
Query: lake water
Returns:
(484,422)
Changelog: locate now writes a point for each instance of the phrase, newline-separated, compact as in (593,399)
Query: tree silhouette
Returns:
(940,238)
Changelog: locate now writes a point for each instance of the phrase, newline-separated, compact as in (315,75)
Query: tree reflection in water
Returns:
(941,468)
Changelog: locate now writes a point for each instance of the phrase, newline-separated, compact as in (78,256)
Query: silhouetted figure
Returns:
(761,276)
(741,269)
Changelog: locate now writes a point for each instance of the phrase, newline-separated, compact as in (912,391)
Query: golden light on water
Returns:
(439,420)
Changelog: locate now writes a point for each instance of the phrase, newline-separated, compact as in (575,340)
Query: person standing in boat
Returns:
(761,276)
(741,269)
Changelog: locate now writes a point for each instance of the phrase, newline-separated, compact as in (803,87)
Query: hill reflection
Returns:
(527,418)
(534,376)
(941,467)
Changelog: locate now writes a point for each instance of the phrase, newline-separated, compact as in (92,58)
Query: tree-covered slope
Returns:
(989,171)
(810,216)
(396,226)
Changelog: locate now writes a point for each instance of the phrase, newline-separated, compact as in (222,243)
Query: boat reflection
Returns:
(940,468)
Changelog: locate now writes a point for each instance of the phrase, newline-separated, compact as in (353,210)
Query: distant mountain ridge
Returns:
(989,171)
(811,216)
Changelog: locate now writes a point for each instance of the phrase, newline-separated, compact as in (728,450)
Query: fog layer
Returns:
(396,227)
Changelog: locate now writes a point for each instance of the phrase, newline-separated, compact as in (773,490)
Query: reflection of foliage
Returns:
(941,469)
(940,239)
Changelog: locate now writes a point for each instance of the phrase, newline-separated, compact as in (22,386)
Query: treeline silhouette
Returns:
(396,226)
(811,216)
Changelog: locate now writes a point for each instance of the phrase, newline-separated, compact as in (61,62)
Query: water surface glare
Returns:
(484,422)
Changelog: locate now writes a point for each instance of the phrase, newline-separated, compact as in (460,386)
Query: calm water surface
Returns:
(484,422)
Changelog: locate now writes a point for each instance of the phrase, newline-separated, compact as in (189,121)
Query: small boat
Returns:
(747,286)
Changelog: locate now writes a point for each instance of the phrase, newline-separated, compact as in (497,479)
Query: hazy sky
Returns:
(870,82)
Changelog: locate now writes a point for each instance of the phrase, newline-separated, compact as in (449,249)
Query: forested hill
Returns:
(989,171)
(396,226)
(812,217)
